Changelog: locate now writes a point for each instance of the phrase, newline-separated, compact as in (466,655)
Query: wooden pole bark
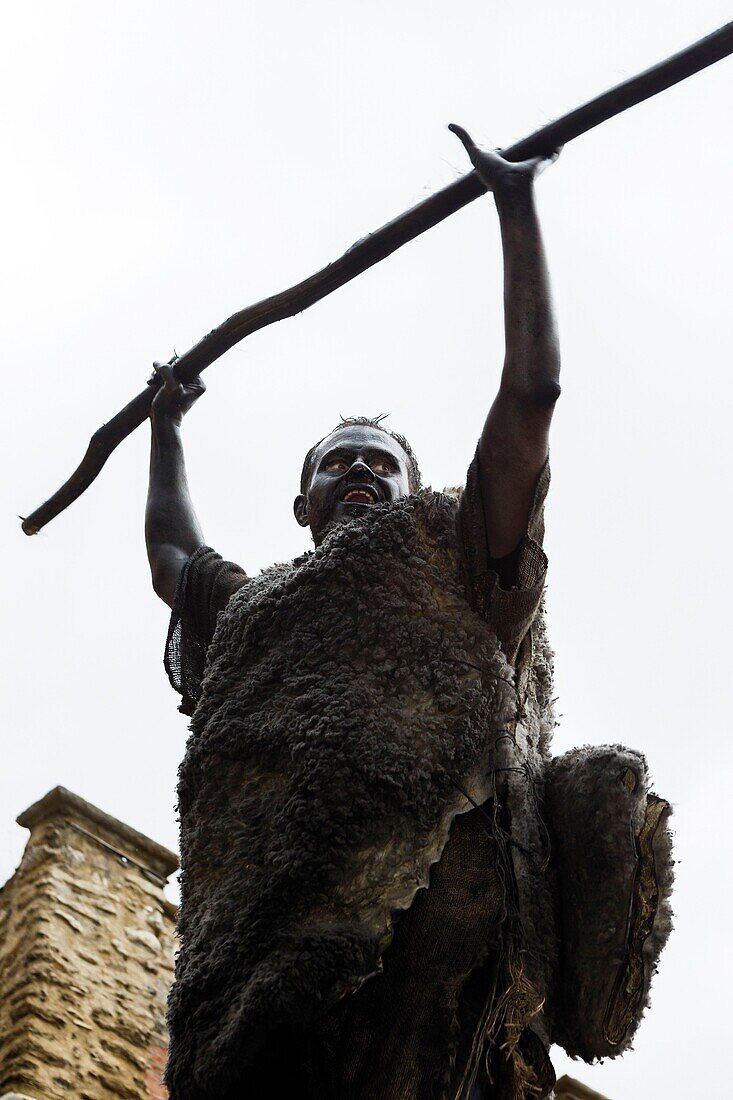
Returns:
(375,247)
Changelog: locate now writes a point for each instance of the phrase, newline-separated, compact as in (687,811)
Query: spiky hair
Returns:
(413,470)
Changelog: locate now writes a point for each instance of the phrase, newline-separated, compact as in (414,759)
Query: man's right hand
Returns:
(174,399)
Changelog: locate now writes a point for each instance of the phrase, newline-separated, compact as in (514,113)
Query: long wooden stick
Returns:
(375,247)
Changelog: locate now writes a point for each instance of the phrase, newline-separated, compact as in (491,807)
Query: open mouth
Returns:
(361,495)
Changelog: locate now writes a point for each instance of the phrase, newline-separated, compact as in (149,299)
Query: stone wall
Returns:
(86,958)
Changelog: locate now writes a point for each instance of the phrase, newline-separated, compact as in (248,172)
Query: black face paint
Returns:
(354,469)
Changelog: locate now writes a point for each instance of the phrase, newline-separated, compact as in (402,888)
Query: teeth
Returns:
(360,495)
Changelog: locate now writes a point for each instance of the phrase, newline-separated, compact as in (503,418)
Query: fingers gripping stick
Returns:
(494,169)
(173,398)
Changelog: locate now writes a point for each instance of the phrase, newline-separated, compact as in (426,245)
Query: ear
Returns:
(300,508)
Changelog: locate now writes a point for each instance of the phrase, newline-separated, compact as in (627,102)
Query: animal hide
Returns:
(351,697)
(612,855)
(353,705)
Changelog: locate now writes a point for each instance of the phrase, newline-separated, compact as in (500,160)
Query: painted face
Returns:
(353,469)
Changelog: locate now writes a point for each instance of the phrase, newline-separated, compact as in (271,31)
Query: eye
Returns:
(383,467)
(335,466)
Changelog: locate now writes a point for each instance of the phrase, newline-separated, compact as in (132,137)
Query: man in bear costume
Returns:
(390,890)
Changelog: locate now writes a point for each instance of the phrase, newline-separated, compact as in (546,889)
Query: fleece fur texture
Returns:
(352,702)
(614,877)
(350,698)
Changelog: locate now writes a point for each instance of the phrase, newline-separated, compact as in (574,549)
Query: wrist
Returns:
(165,425)
(514,193)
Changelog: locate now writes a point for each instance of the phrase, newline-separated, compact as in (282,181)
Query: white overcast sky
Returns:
(168,163)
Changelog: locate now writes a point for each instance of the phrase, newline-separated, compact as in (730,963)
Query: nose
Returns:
(360,469)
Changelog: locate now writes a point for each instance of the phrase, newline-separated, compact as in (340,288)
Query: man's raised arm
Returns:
(514,442)
(172,531)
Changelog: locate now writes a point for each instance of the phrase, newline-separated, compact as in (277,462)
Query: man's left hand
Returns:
(496,173)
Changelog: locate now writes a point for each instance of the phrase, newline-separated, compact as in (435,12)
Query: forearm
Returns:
(515,439)
(532,360)
(513,444)
(172,531)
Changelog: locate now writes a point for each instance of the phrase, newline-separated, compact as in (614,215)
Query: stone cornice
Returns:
(127,842)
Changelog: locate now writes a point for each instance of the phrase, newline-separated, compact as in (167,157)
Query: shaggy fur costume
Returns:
(353,705)
(346,696)
(614,870)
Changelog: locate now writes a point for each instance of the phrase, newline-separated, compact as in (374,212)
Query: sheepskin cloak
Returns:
(353,705)
(350,698)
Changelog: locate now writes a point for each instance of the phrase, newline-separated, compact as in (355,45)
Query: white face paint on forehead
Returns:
(361,440)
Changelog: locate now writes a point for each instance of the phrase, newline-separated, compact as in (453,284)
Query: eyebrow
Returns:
(371,452)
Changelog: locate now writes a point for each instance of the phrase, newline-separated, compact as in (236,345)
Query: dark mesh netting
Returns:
(206,585)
